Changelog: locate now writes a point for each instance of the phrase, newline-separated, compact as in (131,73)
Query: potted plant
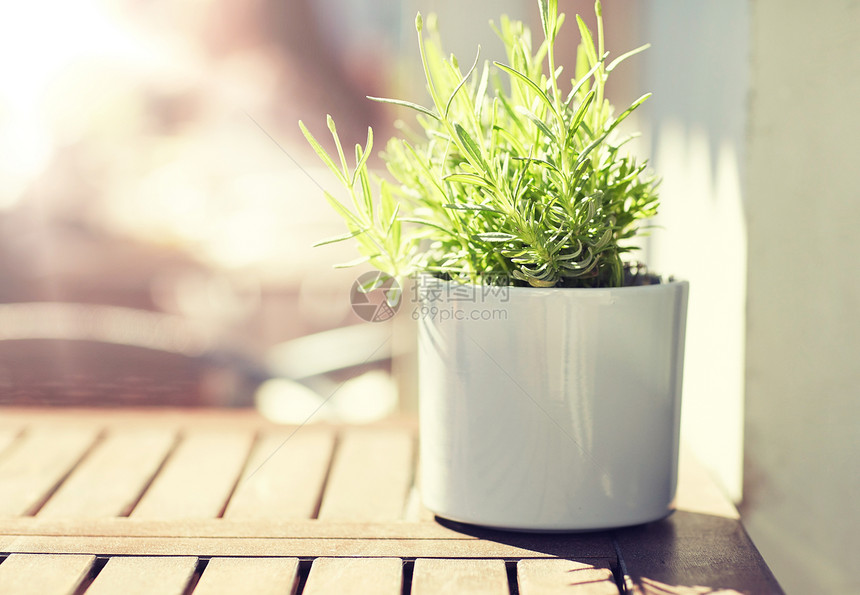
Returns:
(550,369)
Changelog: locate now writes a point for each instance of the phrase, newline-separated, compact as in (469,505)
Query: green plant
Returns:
(512,178)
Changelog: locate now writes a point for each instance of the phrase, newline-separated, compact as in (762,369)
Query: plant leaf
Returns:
(581,112)
(462,82)
(471,146)
(587,41)
(495,236)
(341,238)
(624,56)
(473,179)
(333,129)
(596,142)
(471,207)
(531,84)
(539,123)
(341,210)
(356,262)
(582,81)
(481,92)
(321,153)
(362,154)
(409,104)
(548,16)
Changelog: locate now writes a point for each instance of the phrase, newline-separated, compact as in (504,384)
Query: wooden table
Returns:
(209,502)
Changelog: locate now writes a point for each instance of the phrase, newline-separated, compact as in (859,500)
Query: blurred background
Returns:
(158,207)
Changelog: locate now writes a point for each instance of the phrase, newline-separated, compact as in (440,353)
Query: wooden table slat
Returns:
(260,576)
(304,548)
(590,545)
(144,576)
(37,463)
(355,576)
(466,577)
(112,477)
(43,574)
(371,475)
(548,577)
(284,476)
(198,477)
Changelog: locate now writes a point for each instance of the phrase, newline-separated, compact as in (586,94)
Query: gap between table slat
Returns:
(370,477)
(198,477)
(7,437)
(37,464)
(284,476)
(112,477)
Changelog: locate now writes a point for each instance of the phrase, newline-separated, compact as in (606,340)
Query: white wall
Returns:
(697,69)
(803,378)
(755,130)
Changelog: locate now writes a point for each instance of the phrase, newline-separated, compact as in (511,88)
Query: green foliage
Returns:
(512,177)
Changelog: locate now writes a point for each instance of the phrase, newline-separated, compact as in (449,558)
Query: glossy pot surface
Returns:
(550,409)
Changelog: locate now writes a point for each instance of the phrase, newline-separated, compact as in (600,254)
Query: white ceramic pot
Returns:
(550,409)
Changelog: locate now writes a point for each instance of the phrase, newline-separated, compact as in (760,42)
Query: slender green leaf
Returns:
(471,146)
(337,144)
(548,15)
(623,57)
(321,153)
(367,195)
(531,84)
(539,123)
(543,162)
(462,82)
(514,140)
(495,236)
(512,114)
(472,207)
(473,179)
(351,220)
(392,219)
(356,262)
(594,144)
(427,223)
(587,41)
(584,79)
(409,104)
(481,91)
(581,112)
(341,238)
(361,155)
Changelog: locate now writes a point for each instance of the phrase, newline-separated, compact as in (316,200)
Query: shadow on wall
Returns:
(697,69)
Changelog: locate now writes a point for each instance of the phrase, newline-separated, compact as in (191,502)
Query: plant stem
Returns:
(601,70)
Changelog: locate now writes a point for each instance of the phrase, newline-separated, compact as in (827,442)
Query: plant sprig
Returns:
(513,178)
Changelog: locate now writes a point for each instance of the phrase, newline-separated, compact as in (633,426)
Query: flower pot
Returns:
(550,409)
